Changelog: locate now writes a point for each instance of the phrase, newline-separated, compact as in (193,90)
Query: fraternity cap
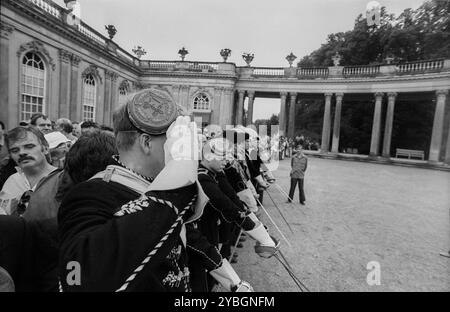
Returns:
(251,132)
(152,111)
(217,148)
(236,135)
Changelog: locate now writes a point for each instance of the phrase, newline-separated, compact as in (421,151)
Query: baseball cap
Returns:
(55,138)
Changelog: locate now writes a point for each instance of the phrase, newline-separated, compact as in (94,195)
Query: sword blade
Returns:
(286,194)
(279,211)
(273,222)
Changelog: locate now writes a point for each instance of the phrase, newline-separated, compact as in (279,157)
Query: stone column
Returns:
(64,83)
(374,143)
(326,123)
(240,107)
(291,125)
(5,115)
(337,123)
(388,125)
(75,102)
(113,98)
(216,108)
(226,111)
(438,126)
(176,93)
(447,149)
(282,118)
(107,96)
(184,100)
(251,99)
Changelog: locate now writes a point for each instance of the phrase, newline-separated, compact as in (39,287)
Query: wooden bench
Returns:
(409,153)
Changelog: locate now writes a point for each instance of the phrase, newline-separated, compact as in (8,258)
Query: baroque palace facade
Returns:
(51,64)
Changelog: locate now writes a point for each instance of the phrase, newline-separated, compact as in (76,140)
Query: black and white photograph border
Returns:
(348,99)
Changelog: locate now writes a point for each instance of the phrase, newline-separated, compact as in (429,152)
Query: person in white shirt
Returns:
(28,148)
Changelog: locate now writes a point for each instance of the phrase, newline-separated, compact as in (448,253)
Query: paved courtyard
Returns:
(356,213)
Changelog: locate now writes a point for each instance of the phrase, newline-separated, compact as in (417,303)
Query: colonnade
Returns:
(378,147)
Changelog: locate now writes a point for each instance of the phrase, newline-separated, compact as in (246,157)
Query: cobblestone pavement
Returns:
(356,213)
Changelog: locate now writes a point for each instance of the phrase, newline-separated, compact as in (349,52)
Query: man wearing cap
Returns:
(110,224)
(125,229)
(58,145)
(215,154)
(237,171)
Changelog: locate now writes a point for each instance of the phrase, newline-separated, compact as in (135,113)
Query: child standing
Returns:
(299,163)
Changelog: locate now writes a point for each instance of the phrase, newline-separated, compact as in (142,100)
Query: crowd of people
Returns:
(145,206)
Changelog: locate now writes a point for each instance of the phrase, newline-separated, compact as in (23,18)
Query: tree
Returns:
(414,35)
(418,34)
(272,121)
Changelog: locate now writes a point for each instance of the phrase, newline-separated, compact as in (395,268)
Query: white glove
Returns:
(253,217)
(242,287)
(260,180)
(228,278)
(260,234)
(181,156)
(182,140)
(247,197)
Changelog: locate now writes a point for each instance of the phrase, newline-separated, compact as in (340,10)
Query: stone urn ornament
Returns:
(139,51)
(336,59)
(248,58)
(389,59)
(111,29)
(291,58)
(373,13)
(183,52)
(225,53)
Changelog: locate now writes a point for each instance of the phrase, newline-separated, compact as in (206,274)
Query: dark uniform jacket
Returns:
(253,162)
(25,254)
(219,206)
(109,249)
(234,174)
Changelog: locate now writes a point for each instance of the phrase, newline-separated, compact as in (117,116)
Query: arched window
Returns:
(33,85)
(123,91)
(201,102)
(89,98)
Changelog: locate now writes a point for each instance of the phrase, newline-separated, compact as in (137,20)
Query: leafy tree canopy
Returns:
(413,35)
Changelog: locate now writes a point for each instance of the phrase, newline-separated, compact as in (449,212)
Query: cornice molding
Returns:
(391,95)
(111,75)
(66,31)
(64,56)
(442,92)
(6,29)
(75,59)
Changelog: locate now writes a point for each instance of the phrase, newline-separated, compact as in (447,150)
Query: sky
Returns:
(269,29)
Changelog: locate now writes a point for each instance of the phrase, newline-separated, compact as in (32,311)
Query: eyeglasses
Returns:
(23,202)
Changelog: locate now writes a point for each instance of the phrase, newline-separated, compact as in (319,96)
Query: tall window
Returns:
(89,98)
(123,91)
(201,102)
(33,85)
